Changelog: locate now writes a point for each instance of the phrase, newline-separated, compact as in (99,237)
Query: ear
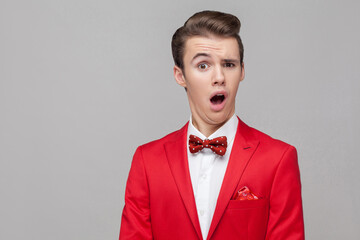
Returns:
(179,76)
(242,74)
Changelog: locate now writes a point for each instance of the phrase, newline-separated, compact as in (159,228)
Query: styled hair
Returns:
(205,23)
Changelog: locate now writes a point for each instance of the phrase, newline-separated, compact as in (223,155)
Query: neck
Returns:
(206,128)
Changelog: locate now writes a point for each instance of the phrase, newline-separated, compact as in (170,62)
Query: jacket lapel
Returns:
(243,148)
(176,153)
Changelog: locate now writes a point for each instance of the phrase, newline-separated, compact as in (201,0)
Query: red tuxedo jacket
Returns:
(160,204)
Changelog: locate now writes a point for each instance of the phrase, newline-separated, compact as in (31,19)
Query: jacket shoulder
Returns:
(158,144)
(268,142)
(271,151)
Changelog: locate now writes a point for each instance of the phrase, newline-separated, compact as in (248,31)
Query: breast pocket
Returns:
(244,218)
(247,204)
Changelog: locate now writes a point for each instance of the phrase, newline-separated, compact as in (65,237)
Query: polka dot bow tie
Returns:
(217,145)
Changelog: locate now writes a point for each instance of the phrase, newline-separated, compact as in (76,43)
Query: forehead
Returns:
(213,45)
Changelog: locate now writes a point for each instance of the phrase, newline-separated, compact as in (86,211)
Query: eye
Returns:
(203,66)
(229,65)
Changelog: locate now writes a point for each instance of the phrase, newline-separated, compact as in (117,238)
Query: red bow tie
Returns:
(217,145)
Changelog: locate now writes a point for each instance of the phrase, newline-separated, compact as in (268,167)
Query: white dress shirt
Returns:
(207,170)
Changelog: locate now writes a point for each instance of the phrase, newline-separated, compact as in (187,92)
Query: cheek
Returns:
(197,93)
(234,80)
(199,76)
(197,84)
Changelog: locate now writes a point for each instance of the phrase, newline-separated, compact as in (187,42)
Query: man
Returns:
(216,178)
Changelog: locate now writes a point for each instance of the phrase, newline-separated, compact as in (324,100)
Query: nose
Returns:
(219,77)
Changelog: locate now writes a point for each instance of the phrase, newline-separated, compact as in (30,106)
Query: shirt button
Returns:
(202,212)
(203,176)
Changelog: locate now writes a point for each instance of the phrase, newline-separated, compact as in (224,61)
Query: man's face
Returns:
(212,73)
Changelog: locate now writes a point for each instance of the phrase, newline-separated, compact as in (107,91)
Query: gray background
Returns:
(83,83)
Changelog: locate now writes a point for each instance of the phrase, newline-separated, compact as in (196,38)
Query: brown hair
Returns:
(204,24)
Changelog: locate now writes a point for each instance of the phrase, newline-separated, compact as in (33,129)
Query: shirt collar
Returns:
(228,129)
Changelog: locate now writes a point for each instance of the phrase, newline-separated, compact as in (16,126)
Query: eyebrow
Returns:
(231,60)
(208,55)
(200,55)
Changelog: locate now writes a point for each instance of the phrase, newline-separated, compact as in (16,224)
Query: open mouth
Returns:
(217,99)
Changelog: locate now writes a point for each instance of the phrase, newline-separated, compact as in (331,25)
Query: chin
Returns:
(219,118)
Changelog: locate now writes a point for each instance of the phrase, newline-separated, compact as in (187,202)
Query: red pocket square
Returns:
(244,194)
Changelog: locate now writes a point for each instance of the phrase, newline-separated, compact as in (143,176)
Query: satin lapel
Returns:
(243,148)
(176,153)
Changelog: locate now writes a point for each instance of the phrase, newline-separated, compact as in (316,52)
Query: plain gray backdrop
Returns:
(84,82)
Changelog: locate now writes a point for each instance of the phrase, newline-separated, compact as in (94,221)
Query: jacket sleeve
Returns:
(286,214)
(135,221)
